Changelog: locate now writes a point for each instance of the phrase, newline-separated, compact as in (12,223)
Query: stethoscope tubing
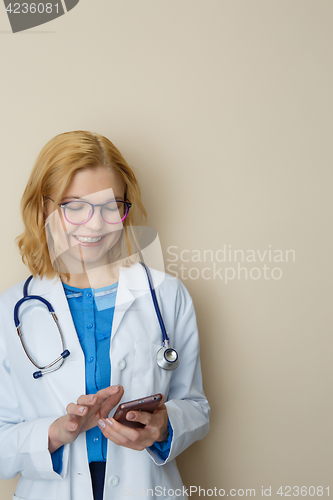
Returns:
(167,358)
(156,306)
(41,369)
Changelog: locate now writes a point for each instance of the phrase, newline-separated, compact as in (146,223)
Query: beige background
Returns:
(225,110)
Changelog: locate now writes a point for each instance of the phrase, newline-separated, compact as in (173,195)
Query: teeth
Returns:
(88,240)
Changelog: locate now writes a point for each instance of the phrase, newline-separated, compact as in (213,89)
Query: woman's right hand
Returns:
(83,415)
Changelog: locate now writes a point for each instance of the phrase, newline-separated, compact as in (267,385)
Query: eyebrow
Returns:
(82,198)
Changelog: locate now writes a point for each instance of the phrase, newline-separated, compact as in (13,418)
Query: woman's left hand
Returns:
(156,428)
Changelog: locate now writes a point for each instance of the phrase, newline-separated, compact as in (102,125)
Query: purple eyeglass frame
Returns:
(63,205)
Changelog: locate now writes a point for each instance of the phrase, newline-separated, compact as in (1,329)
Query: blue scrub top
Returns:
(92,312)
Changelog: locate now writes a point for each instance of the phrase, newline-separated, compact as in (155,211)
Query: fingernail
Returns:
(109,422)
(82,409)
(116,388)
(73,426)
(101,424)
(131,415)
(91,399)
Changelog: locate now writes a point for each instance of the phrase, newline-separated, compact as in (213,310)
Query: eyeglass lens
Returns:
(78,212)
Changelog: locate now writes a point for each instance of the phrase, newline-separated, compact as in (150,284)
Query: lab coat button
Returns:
(121,364)
(114,480)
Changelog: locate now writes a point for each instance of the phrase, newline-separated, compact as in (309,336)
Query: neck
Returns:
(94,278)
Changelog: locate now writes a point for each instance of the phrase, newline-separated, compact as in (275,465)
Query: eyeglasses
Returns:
(80,212)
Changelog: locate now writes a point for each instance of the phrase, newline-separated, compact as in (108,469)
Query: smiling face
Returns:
(84,246)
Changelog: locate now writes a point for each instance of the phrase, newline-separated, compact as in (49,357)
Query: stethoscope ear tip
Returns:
(37,374)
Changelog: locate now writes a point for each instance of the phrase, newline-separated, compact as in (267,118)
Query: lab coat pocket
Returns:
(40,489)
(148,377)
(15,497)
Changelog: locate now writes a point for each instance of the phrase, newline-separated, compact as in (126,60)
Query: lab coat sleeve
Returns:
(162,448)
(187,406)
(23,444)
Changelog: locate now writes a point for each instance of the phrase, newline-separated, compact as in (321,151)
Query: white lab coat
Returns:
(28,406)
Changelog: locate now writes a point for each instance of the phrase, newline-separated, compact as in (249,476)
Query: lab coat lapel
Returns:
(132,284)
(131,279)
(124,300)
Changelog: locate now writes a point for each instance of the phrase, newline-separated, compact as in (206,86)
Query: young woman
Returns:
(83,219)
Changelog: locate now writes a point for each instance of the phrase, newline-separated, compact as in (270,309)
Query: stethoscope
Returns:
(166,357)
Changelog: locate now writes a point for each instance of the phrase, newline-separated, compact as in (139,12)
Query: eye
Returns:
(113,206)
(76,206)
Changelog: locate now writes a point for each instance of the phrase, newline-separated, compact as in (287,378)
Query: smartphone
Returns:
(149,404)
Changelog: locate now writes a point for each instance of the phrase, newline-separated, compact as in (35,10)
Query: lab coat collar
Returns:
(132,284)
(131,279)
(134,277)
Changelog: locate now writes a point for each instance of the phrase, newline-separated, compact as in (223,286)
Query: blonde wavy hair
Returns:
(55,166)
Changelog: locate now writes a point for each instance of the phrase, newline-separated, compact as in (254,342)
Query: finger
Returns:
(110,403)
(160,408)
(144,417)
(74,409)
(100,396)
(87,400)
(117,438)
(161,403)
(135,440)
(156,424)
(71,424)
(123,430)
(113,390)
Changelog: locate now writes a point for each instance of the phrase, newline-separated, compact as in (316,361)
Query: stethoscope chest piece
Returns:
(167,358)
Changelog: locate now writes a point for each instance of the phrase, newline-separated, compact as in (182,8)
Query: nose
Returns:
(96,222)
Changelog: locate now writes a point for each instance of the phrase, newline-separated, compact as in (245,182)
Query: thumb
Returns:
(110,402)
(161,405)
